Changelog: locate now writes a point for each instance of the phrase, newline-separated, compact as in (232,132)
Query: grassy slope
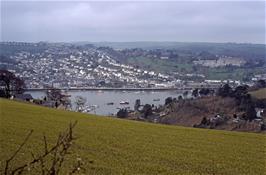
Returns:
(127,147)
(260,94)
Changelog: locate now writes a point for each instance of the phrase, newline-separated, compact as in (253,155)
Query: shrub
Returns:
(168,100)
(122,113)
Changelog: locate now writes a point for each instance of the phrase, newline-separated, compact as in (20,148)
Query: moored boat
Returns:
(124,102)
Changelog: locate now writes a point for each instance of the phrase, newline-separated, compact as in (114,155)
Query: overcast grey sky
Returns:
(205,21)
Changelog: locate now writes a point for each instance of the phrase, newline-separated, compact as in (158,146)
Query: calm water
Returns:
(101,98)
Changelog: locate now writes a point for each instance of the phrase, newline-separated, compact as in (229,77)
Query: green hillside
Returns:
(260,94)
(115,146)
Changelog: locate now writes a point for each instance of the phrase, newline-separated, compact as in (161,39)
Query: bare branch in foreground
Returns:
(51,160)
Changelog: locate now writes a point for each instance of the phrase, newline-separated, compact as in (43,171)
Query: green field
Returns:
(260,94)
(159,65)
(116,146)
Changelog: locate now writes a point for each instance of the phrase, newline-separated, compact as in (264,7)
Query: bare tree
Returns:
(137,105)
(51,160)
(56,95)
(66,102)
(185,94)
(80,102)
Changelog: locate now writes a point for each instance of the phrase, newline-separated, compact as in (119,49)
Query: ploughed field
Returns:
(116,146)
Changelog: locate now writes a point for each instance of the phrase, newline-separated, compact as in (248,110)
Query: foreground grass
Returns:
(113,146)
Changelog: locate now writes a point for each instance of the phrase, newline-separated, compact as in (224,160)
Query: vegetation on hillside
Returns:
(229,108)
(10,84)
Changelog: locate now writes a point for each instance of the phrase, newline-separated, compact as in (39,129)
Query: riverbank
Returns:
(120,89)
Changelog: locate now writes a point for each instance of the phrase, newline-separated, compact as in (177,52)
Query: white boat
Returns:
(123,102)
(90,108)
(94,106)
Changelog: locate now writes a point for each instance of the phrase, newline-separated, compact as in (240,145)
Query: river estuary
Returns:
(102,98)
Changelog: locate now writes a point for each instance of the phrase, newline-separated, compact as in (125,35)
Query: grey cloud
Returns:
(134,21)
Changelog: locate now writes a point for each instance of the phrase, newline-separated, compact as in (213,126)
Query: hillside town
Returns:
(67,66)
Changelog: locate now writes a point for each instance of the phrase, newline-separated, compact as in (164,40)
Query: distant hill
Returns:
(114,146)
(10,48)
(245,50)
